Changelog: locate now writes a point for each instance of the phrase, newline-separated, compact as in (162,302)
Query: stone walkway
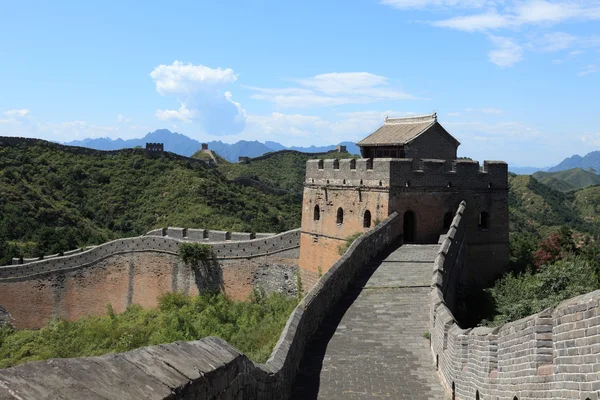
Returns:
(372,345)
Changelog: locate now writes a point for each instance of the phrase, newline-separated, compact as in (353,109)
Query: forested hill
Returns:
(55,198)
(283,169)
(539,209)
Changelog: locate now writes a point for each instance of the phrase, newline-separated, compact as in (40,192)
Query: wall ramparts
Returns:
(398,172)
(209,368)
(221,250)
(554,354)
(186,234)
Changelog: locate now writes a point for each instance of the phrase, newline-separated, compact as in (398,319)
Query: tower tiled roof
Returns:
(399,131)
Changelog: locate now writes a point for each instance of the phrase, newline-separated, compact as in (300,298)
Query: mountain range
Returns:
(185,146)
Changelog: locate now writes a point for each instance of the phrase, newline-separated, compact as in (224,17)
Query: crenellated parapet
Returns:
(398,172)
(226,249)
(548,355)
(206,235)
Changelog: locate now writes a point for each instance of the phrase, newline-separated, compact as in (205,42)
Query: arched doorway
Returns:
(410,227)
(367,219)
(448,220)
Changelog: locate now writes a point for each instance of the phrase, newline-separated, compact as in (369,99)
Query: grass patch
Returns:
(253,327)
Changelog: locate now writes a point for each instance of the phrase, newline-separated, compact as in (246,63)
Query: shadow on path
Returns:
(308,377)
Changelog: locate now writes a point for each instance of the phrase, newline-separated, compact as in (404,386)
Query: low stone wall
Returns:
(205,369)
(554,354)
(137,271)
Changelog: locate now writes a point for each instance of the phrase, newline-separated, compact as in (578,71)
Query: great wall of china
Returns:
(384,311)
(550,355)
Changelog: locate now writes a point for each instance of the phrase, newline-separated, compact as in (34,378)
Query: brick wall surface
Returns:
(136,271)
(554,354)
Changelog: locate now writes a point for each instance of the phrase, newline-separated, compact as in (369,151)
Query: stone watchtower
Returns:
(409,166)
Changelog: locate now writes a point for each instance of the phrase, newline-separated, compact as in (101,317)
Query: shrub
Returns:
(519,295)
(349,240)
(253,327)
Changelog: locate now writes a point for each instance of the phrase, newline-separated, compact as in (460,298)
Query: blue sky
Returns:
(512,80)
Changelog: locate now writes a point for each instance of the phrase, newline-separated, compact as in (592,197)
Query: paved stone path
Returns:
(372,345)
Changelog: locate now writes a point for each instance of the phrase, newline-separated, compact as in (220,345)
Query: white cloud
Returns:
(525,19)
(513,14)
(332,89)
(183,79)
(589,69)
(123,119)
(473,23)
(17,113)
(507,52)
(183,114)
(200,92)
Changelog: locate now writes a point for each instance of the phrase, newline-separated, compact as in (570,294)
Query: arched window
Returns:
(340,216)
(336,164)
(367,219)
(317,214)
(477,395)
(484,221)
(453,391)
(447,220)
(320,164)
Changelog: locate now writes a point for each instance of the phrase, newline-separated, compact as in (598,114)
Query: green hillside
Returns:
(55,198)
(537,208)
(571,179)
(283,169)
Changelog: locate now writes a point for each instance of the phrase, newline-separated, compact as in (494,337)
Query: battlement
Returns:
(400,172)
(155,147)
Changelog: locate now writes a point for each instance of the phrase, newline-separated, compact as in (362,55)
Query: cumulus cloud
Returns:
(332,89)
(183,114)
(201,93)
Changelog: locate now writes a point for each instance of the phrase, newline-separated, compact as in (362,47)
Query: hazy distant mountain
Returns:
(590,160)
(525,170)
(185,146)
(174,142)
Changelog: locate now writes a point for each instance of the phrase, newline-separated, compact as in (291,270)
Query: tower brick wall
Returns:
(430,189)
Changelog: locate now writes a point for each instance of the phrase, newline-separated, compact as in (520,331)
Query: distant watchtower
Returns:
(155,148)
(409,167)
